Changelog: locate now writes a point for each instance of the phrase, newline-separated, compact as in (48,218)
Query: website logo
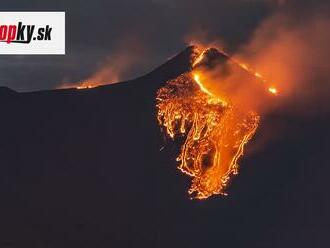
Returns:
(32,32)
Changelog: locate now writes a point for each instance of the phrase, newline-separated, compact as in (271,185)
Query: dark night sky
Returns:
(96,29)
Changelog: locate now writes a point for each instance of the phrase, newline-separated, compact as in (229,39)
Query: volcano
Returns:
(91,168)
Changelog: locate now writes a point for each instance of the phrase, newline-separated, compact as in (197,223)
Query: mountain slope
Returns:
(83,168)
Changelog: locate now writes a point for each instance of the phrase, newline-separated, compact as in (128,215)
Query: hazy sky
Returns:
(148,31)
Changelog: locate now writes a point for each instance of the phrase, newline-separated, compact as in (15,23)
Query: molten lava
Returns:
(87,85)
(214,130)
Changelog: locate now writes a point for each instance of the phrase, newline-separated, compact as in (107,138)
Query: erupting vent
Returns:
(214,131)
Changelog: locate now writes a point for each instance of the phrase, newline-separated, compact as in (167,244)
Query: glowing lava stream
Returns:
(197,79)
(214,131)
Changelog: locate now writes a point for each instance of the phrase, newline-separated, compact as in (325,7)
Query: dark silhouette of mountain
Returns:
(6,92)
(87,168)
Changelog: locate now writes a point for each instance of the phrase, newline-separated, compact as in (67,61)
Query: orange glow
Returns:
(213,98)
(272,90)
(199,57)
(87,85)
(215,131)
(198,81)
(244,66)
(81,85)
(258,75)
(214,125)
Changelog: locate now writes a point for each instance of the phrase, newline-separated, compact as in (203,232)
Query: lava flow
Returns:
(215,130)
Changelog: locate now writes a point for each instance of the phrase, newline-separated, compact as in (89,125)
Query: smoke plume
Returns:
(116,67)
(292,50)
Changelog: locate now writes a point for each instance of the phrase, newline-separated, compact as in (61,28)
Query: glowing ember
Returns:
(87,85)
(84,87)
(215,131)
(199,57)
(272,90)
